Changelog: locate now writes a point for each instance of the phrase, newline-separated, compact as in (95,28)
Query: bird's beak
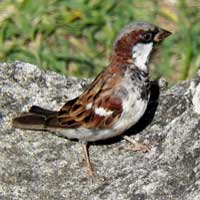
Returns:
(161,35)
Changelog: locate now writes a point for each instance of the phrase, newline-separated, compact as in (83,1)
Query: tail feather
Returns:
(39,110)
(35,119)
(30,121)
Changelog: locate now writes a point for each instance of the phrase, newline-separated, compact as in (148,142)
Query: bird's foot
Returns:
(137,146)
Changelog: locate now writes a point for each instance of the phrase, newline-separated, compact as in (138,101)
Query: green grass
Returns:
(74,37)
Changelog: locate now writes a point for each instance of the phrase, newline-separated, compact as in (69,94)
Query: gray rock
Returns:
(41,165)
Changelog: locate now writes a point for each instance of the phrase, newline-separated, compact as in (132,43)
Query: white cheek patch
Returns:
(141,53)
(102,112)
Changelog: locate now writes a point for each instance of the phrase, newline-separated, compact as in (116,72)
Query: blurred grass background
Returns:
(74,37)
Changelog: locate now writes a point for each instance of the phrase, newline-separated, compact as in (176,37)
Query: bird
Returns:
(114,101)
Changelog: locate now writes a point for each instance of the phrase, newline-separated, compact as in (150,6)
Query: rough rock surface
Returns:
(41,165)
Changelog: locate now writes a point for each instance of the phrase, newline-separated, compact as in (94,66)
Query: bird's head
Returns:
(136,42)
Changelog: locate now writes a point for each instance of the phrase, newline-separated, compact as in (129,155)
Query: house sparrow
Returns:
(114,101)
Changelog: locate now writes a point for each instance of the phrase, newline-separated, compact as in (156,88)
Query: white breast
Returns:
(133,106)
(133,109)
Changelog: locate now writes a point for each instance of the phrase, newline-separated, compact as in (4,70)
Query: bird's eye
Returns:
(147,37)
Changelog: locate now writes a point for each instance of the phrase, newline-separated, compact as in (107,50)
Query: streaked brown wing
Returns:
(97,107)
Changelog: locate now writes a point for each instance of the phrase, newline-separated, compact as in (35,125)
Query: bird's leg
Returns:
(87,158)
(137,146)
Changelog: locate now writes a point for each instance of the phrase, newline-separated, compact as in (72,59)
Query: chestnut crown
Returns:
(141,32)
